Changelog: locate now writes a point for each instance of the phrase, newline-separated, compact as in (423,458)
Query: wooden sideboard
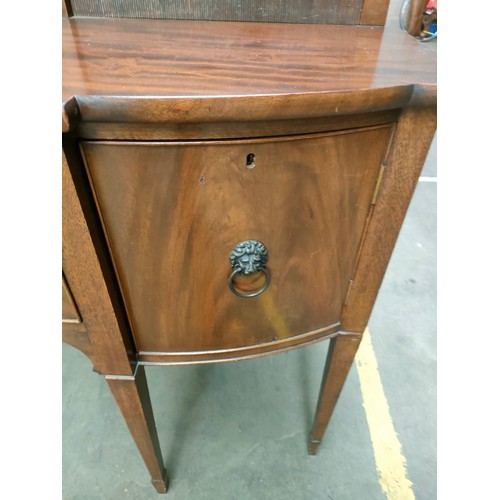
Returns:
(232,189)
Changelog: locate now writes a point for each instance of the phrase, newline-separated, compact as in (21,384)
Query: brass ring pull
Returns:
(249,257)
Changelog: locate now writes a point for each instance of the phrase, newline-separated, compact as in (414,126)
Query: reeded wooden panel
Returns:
(174,211)
(291,11)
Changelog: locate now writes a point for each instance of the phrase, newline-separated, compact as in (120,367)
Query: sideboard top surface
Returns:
(112,59)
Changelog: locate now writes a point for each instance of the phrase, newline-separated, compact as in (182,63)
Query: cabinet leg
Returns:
(341,352)
(132,396)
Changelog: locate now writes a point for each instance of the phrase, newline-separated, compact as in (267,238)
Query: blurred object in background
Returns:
(419,19)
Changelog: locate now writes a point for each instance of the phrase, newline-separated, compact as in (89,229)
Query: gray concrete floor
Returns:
(239,430)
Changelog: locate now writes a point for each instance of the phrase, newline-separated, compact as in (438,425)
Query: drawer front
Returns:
(173,212)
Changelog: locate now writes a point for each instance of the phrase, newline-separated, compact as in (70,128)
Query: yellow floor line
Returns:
(389,459)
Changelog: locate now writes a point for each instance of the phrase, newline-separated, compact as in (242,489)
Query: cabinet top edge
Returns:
(158,110)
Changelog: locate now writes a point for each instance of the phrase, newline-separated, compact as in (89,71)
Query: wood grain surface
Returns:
(85,277)
(233,129)
(268,70)
(69,310)
(174,211)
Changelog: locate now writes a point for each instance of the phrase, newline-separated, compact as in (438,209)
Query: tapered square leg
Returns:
(132,396)
(341,352)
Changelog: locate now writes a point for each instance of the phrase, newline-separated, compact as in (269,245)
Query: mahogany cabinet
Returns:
(232,189)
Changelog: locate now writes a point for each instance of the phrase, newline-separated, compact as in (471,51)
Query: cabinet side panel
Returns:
(410,145)
(83,273)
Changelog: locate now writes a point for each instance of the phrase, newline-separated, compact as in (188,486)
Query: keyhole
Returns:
(250,161)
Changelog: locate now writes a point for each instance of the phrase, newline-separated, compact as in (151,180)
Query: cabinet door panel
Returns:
(172,213)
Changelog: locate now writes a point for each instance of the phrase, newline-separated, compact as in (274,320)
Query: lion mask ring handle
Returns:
(249,257)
